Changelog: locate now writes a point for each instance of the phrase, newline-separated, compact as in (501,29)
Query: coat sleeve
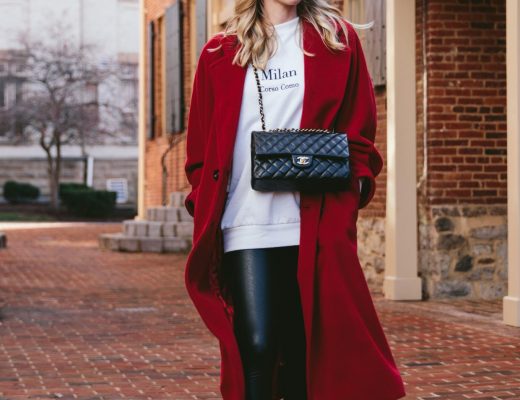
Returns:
(200,112)
(358,113)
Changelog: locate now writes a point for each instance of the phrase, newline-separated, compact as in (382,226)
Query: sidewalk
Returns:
(80,323)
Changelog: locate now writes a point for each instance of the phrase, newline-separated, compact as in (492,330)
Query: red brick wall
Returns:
(465,43)
(377,206)
(156,148)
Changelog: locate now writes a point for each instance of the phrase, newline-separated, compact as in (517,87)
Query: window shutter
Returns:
(374,44)
(151,81)
(173,68)
(202,25)
(2,93)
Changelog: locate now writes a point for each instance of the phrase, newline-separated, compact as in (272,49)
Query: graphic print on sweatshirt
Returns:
(276,80)
(266,219)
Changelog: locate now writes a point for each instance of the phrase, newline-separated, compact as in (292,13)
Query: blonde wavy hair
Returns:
(256,35)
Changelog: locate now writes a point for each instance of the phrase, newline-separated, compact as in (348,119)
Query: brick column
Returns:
(511,302)
(401,260)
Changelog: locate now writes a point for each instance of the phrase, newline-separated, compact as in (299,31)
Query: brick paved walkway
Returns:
(80,323)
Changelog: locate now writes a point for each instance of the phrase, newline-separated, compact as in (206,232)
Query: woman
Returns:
(275,275)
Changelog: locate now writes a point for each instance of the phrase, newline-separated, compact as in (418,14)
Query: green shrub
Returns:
(67,187)
(16,192)
(89,203)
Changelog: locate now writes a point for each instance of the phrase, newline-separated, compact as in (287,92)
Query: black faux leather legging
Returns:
(267,313)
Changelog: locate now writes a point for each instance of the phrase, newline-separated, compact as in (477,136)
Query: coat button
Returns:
(215,174)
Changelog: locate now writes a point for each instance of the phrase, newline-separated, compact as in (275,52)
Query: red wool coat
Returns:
(348,357)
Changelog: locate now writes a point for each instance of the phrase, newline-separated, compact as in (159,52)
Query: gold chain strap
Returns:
(262,116)
(301,129)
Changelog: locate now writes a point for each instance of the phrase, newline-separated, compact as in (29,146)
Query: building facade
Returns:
(437,226)
(111,27)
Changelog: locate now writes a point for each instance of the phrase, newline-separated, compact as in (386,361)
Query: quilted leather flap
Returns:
(318,144)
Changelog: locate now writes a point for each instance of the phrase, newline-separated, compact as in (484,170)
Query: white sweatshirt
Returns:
(254,219)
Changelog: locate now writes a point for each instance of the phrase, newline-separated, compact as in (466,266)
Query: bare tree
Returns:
(59,105)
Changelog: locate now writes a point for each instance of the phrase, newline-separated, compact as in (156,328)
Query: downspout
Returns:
(172,141)
(421,184)
(89,178)
(141,163)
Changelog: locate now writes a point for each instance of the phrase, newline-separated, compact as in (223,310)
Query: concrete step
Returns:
(134,228)
(168,214)
(167,229)
(120,242)
(177,229)
(162,214)
(156,229)
(177,199)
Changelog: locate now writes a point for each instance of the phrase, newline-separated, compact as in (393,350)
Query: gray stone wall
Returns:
(371,250)
(462,252)
(34,171)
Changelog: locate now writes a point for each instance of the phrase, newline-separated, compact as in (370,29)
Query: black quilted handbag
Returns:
(309,160)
